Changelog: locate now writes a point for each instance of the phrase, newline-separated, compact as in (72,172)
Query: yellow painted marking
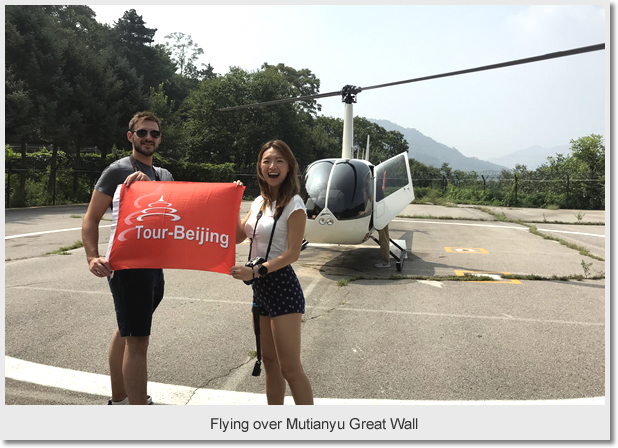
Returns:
(466,250)
(493,274)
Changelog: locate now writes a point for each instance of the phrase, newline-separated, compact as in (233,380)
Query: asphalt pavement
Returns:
(370,335)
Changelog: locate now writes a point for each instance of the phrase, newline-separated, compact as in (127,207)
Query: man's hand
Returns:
(138,175)
(100,267)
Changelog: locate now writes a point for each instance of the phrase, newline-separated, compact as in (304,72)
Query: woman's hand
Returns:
(238,182)
(243,273)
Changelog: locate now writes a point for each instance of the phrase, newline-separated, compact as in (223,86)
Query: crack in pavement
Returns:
(208,382)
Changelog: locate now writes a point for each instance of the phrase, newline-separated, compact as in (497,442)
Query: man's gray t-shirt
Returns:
(118,171)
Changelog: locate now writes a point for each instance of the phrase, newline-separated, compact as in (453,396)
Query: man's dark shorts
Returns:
(137,293)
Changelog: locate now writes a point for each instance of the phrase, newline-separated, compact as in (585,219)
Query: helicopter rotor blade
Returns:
(282,101)
(557,54)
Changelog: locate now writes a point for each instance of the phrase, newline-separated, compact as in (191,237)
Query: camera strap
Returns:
(136,167)
(256,309)
(270,242)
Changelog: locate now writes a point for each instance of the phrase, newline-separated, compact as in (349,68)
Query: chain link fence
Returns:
(35,187)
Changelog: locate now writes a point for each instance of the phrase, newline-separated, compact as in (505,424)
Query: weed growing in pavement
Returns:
(580,216)
(343,282)
(76,216)
(586,268)
(64,250)
(468,277)
(440,217)
(499,216)
(582,250)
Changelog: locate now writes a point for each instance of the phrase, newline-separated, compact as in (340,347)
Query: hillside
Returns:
(532,157)
(430,152)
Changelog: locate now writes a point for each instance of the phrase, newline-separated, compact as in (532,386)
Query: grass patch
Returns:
(252,353)
(440,217)
(499,216)
(434,200)
(77,216)
(343,282)
(64,250)
(590,223)
(582,250)
(468,277)
(552,207)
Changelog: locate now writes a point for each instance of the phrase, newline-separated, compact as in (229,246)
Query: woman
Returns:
(276,289)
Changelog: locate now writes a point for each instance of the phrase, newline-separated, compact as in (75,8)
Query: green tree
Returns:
(590,151)
(133,40)
(446,170)
(34,56)
(185,53)
(173,142)
(236,136)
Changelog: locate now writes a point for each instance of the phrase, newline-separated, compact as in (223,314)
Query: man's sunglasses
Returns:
(141,133)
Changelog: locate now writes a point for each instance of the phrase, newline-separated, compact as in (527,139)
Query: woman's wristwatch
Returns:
(262,270)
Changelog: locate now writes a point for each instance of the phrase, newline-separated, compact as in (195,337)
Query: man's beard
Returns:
(146,152)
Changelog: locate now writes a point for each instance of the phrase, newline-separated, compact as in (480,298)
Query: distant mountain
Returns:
(428,151)
(532,157)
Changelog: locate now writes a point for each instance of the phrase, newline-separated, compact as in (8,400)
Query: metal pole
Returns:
(515,190)
(54,185)
(8,195)
(568,187)
(348,131)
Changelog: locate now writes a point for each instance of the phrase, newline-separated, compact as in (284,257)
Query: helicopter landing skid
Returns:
(402,251)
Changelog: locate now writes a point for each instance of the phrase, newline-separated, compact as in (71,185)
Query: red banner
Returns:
(175,225)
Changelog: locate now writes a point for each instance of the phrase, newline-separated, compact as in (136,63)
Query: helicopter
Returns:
(348,198)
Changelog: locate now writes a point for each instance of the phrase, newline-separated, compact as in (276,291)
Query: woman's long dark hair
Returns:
(289,187)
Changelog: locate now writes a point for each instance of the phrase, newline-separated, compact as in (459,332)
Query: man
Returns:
(136,292)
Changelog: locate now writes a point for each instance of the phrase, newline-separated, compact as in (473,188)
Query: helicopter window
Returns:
(349,194)
(315,182)
(391,176)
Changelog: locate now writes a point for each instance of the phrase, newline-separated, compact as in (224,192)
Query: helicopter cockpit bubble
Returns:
(343,186)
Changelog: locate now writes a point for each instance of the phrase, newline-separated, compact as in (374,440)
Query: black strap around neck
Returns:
(259,215)
(136,167)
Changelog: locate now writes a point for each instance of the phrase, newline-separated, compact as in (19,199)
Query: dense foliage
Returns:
(72,85)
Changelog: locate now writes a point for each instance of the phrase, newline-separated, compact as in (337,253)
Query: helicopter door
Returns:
(392,189)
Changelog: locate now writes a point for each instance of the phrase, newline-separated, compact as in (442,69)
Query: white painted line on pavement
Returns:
(345,308)
(48,231)
(575,233)
(498,227)
(469,316)
(97,384)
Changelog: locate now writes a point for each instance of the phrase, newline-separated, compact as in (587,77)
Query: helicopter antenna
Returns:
(349,92)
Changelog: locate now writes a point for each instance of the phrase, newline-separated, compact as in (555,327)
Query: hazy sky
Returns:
(486,114)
